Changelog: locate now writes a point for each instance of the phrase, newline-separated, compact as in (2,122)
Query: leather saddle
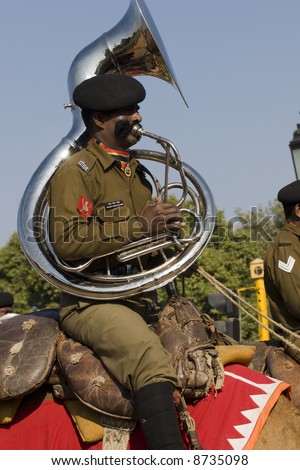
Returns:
(28,353)
(34,352)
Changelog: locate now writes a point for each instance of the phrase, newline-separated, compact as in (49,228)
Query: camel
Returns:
(281,431)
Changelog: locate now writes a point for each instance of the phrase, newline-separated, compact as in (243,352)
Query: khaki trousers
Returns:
(121,338)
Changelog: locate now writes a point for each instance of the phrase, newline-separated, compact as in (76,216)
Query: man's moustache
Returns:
(123,128)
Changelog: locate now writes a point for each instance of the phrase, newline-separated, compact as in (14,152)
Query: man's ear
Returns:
(297,210)
(98,120)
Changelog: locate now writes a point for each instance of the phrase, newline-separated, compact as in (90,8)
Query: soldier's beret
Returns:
(290,194)
(108,92)
(6,299)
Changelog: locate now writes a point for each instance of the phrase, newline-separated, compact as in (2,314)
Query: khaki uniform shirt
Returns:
(282,277)
(94,206)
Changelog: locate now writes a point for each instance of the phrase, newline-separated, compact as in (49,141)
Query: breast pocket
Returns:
(114,220)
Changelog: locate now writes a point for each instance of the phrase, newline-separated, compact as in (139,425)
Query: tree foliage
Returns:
(17,276)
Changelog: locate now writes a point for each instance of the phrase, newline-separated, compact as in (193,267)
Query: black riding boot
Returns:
(158,417)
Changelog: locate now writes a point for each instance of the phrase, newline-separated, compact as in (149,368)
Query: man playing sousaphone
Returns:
(100,200)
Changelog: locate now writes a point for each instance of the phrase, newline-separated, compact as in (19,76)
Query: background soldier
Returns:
(282,268)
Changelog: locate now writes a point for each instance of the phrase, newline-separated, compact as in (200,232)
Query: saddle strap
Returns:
(188,425)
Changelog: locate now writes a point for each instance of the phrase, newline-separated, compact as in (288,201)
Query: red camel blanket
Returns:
(230,420)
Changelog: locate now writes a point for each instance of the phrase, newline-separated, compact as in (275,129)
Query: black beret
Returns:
(6,299)
(108,92)
(290,194)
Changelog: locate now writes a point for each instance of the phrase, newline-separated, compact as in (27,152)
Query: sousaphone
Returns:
(132,47)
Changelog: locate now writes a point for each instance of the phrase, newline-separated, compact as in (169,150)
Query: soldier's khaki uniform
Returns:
(282,281)
(93,211)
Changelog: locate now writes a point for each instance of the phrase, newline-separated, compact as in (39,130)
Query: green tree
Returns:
(22,281)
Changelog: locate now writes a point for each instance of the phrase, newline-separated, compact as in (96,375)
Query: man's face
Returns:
(117,127)
(5,310)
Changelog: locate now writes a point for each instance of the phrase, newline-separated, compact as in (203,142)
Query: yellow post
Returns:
(257,273)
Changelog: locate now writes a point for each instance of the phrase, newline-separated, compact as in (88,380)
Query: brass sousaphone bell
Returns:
(132,47)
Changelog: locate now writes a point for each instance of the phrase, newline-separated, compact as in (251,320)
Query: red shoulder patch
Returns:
(85,207)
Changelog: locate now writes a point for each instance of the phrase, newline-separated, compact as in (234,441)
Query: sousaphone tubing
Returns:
(132,47)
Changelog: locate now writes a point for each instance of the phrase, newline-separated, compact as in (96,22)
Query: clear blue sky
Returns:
(237,63)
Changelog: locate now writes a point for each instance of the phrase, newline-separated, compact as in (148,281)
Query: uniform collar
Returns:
(293,228)
(104,157)
(117,154)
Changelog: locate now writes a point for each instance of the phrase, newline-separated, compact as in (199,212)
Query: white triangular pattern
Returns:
(265,387)
(261,400)
(244,429)
(251,414)
(238,444)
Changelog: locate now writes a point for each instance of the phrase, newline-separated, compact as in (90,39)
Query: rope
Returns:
(231,295)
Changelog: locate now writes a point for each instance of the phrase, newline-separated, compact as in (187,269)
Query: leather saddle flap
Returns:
(28,352)
(190,337)
(91,382)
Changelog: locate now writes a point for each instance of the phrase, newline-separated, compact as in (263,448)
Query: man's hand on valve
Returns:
(159,217)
